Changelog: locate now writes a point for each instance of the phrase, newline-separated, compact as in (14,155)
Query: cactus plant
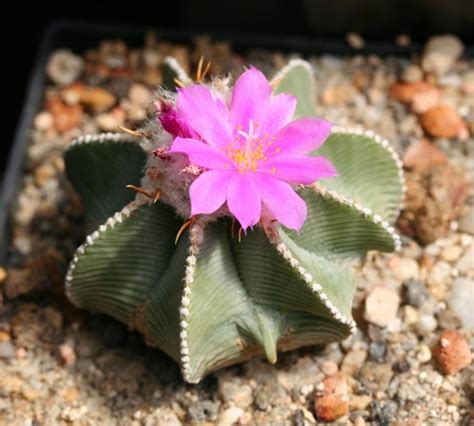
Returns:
(215,295)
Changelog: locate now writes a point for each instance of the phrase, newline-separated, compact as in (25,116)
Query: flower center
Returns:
(249,148)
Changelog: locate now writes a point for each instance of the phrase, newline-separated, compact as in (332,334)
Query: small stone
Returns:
(466,264)
(203,410)
(235,391)
(452,352)
(329,368)
(335,385)
(353,362)
(110,121)
(65,117)
(461,301)
(64,67)
(410,315)
(425,100)
(230,416)
(377,351)
(466,221)
(424,354)
(412,74)
(359,402)
(139,94)
(43,121)
(407,269)
(376,376)
(451,253)
(331,407)
(426,325)
(97,99)
(441,53)
(442,122)
(381,306)
(7,350)
(422,155)
(406,92)
(3,275)
(67,354)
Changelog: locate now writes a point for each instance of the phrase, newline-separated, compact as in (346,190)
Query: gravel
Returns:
(61,365)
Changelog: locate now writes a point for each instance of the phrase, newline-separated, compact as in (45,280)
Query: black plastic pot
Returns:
(79,36)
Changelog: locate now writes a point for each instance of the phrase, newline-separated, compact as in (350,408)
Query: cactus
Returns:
(215,296)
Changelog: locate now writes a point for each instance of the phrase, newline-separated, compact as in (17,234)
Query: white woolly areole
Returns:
(196,238)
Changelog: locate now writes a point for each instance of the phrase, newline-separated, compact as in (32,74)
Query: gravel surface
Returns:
(409,363)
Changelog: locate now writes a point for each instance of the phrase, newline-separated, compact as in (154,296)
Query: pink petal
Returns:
(200,153)
(298,168)
(279,113)
(286,206)
(250,98)
(207,116)
(243,200)
(300,136)
(208,192)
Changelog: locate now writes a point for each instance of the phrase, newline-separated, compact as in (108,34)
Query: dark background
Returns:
(23,25)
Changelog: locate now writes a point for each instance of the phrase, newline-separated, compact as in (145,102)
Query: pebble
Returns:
(451,253)
(7,350)
(359,402)
(406,92)
(410,315)
(355,41)
(3,275)
(139,94)
(425,100)
(442,122)
(441,53)
(407,269)
(67,354)
(330,407)
(376,376)
(329,368)
(377,351)
(232,390)
(466,221)
(65,117)
(461,301)
(353,362)
(381,306)
(230,416)
(452,352)
(423,354)
(427,324)
(64,67)
(465,265)
(97,99)
(412,74)
(422,155)
(43,121)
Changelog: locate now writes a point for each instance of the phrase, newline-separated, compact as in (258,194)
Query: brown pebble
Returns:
(65,117)
(452,352)
(97,99)
(4,336)
(331,407)
(406,92)
(67,354)
(443,122)
(423,155)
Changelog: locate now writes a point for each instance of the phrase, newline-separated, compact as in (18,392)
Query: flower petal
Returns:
(279,113)
(207,116)
(298,168)
(173,122)
(282,201)
(243,200)
(208,192)
(300,137)
(250,98)
(200,153)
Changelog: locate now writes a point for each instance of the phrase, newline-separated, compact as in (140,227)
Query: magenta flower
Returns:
(251,150)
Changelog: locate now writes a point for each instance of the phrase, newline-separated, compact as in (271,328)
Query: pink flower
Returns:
(252,151)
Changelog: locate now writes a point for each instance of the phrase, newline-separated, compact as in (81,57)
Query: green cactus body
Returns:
(211,300)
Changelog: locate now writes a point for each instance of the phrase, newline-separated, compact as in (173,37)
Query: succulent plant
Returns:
(216,296)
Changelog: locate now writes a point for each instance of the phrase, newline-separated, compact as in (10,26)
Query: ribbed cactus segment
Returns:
(100,167)
(215,299)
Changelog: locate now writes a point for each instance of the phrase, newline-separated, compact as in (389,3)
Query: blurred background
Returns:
(23,26)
